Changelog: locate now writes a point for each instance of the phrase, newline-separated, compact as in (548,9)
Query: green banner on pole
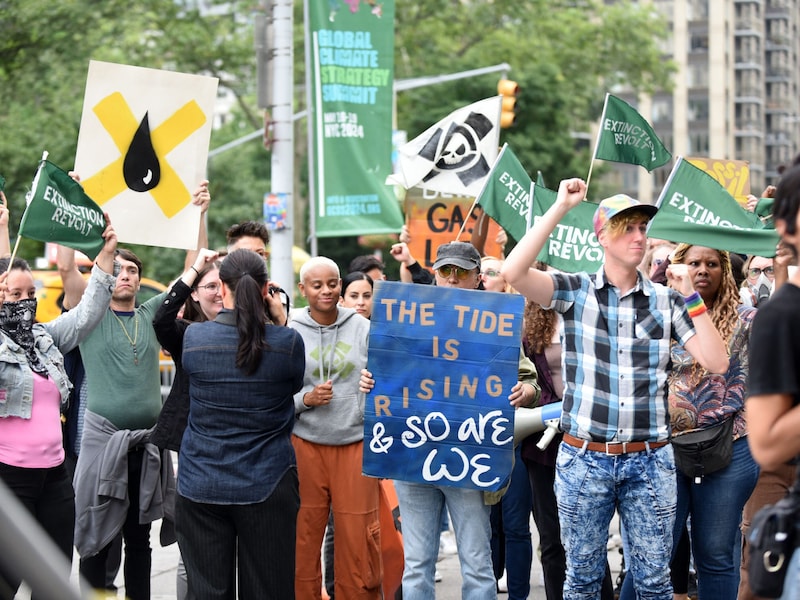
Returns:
(351,76)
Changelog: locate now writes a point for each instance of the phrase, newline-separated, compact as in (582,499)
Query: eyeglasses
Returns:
(491,273)
(448,270)
(755,271)
(211,288)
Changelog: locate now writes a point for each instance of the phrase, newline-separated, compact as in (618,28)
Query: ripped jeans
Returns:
(642,487)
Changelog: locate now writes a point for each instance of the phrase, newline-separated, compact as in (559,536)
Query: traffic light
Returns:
(508,89)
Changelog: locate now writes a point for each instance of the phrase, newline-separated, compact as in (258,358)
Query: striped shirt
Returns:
(617,356)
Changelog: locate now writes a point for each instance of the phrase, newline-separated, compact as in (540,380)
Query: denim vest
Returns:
(53,339)
(237,445)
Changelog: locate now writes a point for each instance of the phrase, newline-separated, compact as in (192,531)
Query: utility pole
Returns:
(277,88)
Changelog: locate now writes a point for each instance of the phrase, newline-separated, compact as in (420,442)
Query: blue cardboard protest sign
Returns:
(444,361)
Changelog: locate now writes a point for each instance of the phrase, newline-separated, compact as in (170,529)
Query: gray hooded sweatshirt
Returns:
(337,352)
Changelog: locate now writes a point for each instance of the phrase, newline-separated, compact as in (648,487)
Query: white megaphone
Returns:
(545,418)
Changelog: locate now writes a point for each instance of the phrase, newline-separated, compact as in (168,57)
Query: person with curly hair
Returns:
(699,400)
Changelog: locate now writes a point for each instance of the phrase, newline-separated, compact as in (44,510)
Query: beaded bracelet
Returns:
(695,305)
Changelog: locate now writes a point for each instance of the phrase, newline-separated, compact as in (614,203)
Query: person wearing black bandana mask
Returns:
(34,387)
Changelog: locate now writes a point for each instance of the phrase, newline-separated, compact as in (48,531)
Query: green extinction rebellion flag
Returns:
(573,246)
(694,208)
(506,194)
(350,77)
(59,211)
(626,137)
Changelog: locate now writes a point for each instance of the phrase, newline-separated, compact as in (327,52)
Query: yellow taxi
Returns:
(50,293)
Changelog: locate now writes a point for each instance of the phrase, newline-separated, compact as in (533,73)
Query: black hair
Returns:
(787,199)
(19,263)
(129,256)
(365,263)
(245,274)
(255,229)
(355,276)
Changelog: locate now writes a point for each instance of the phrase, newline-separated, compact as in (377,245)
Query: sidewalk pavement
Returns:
(165,563)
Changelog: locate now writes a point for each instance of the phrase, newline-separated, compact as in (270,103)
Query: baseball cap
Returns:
(460,254)
(616,205)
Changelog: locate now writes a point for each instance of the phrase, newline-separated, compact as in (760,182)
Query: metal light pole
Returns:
(282,166)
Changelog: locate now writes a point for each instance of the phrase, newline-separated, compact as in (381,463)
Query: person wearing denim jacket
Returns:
(237,482)
(34,390)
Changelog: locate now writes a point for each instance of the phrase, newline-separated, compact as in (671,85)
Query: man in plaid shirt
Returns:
(618,327)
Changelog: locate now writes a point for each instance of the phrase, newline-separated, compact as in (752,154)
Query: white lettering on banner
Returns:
(628,134)
(435,427)
(695,212)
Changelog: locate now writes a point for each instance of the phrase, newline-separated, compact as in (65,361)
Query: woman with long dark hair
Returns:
(237,483)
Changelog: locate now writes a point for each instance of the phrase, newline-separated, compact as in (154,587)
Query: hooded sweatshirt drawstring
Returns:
(327,375)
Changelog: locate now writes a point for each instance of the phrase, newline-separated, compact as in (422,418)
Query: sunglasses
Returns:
(448,270)
(755,271)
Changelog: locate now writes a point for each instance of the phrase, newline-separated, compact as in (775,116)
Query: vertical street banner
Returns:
(444,361)
(435,218)
(142,150)
(350,75)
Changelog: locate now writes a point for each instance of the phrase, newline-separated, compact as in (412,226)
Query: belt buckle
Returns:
(615,445)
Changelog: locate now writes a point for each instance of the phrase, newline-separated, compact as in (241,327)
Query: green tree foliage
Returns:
(565,55)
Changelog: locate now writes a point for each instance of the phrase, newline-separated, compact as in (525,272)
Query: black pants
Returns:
(48,495)
(260,537)
(136,537)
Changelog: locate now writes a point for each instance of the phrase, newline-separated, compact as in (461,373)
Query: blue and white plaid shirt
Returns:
(616,356)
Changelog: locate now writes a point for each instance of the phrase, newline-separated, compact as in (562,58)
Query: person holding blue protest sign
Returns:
(457,265)
(618,327)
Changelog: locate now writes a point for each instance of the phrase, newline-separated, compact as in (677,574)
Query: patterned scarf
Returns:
(16,321)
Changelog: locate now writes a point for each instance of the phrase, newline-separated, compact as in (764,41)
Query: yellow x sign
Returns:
(116,116)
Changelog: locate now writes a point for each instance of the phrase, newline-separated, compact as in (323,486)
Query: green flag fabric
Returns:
(694,208)
(59,211)
(626,137)
(506,194)
(573,246)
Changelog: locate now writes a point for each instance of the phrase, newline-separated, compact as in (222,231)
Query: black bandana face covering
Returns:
(16,321)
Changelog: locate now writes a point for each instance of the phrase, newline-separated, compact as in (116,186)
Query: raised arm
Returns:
(5,240)
(772,418)
(534,284)
(201,198)
(707,346)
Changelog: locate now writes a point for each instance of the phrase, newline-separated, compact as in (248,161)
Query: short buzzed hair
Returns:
(317,261)
(366,263)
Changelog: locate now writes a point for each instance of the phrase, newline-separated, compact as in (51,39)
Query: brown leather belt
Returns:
(613,448)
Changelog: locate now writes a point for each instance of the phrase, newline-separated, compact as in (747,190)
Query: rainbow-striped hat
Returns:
(615,205)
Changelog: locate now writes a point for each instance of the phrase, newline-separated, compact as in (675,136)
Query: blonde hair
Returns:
(616,226)
(507,289)
(317,261)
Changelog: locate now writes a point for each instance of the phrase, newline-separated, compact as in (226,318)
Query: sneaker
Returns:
(502,584)
(437,577)
(447,545)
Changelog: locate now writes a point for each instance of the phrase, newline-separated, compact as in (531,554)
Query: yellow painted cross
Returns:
(116,116)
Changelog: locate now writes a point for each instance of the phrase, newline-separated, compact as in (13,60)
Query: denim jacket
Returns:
(53,340)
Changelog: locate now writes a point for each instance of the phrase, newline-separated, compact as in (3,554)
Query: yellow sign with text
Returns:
(733,175)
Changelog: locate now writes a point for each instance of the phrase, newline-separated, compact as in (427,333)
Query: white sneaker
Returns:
(502,584)
(447,545)
(437,577)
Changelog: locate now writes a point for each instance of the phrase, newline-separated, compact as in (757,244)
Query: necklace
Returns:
(127,335)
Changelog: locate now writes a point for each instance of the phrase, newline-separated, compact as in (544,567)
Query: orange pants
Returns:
(330,479)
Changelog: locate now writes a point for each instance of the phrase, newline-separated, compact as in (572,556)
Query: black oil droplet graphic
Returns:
(141,168)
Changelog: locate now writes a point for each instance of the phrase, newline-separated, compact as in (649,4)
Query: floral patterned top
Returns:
(716,397)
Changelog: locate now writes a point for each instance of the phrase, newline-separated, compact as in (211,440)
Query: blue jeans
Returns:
(641,487)
(715,506)
(421,507)
(791,585)
(511,532)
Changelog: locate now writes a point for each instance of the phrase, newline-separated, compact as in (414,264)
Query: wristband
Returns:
(695,305)
(198,272)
